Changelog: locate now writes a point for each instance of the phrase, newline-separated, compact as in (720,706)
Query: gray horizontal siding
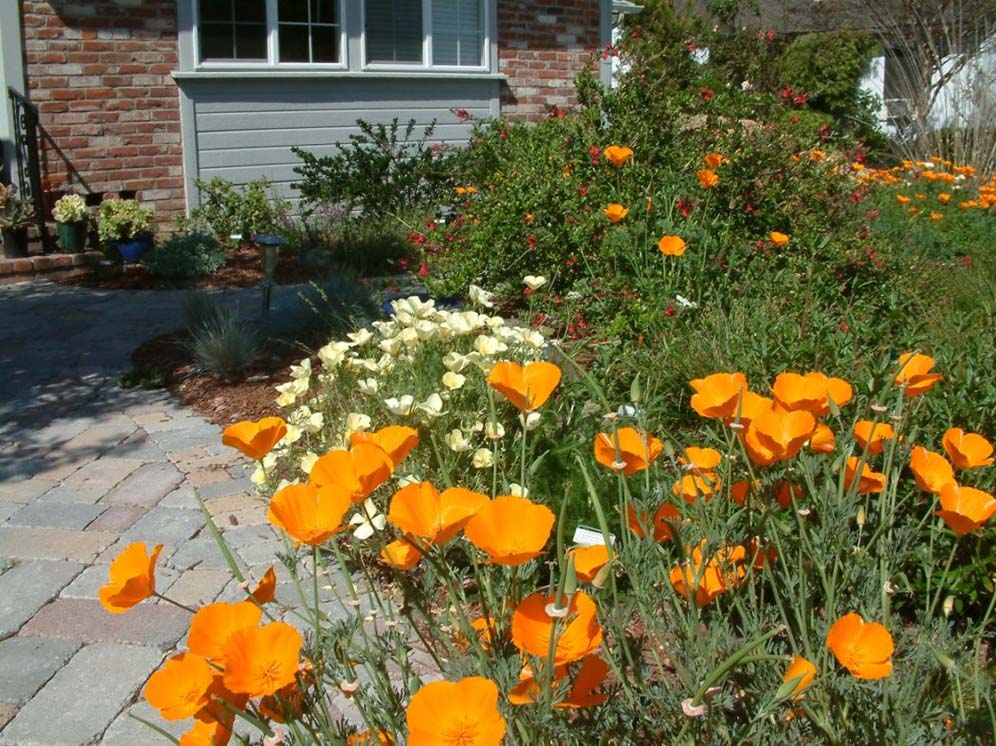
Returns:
(244,129)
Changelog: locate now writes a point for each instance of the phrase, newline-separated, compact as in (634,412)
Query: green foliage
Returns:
(828,66)
(122,220)
(146,378)
(385,170)
(15,212)
(187,256)
(224,344)
(226,210)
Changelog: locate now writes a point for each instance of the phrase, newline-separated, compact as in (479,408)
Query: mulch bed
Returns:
(222,402)
(242,270)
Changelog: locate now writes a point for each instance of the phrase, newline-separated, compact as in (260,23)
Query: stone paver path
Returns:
(85,469)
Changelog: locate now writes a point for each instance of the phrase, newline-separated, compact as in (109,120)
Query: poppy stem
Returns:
(175,603)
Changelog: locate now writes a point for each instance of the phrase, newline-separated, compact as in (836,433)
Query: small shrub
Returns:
(147,378)
(122,220)
(198,310)
(226,210)
(383,171)
(225,345)
(183,257)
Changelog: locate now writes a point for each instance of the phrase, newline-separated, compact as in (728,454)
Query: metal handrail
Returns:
(29,159)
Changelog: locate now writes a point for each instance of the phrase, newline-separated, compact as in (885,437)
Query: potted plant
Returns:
(16,214)
(124,225)
(70,222)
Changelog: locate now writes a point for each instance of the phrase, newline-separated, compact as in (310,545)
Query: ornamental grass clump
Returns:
(764,581)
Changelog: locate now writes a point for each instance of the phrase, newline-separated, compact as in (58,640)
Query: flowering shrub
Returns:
(756,587)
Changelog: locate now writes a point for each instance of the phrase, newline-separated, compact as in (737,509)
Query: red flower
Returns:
(423,271)
(706,94)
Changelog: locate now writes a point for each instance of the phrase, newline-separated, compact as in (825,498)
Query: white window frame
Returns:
(426,65)
(272,61)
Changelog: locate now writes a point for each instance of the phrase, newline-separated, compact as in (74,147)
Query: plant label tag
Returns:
(587,536)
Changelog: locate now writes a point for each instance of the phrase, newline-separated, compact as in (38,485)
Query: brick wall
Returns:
(542,45)
(99,74)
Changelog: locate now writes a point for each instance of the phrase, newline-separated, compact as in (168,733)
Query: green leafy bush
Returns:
(384,170)
(185,257)
(226,210)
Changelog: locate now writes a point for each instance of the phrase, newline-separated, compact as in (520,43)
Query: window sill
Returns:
(277,73)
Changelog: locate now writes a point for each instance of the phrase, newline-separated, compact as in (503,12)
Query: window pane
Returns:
(294,44)
(394,30)
(216,41)
(325,11)
(250,10)
(250,42)
(325,44)
(293,10)
(216,10)
(457,32)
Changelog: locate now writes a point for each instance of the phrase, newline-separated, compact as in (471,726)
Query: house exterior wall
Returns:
(99,73)
(542,46)
(124,105)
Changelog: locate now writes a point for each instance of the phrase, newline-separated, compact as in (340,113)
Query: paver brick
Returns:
(117,518)
(27,587)
(127,731)
(200,477)
(76,707)
(247,509)
(64,493)
(164,526)
(26,663)
(198,587)
(87,621)
(201,552)
(24,490)
(181,497)
(7,713)
(74,516)
(53,543)
(229,487)
(147,485)
(103,474)
(9,509)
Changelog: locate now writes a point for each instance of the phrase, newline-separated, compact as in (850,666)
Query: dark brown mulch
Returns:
(221,401)
(243,269)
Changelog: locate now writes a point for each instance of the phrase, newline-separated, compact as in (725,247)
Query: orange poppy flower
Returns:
(788,493)
(811,392)
(751,406)
(693,486)
(132,578)
(261,661)
(307,513)
(902,199)
(626,450)
(255,439)
(719,394)
(357,472)
(207,733)
(617,155)
(511,530)
(913,374)
(700,460)
(869,481)
(705,580)
(588,561)
(615,212)
(263,593)
(965,509)
(455,713)
(420,510)
(369,738)
(713,160)
(872,437)
(527,387)
(578,633)
(823,440)
(739,491)
(672,246)
(401,555)
(665,515)
(590,675)
(182,687)
(707,178)
(802,672)
(967,450)
(944,198)
(777,435)
(213,624)
(397,441)
(286,704)
(778,240)
(864,649)
(930,470)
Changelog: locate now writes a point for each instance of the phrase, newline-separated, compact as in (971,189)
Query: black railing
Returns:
(26,138)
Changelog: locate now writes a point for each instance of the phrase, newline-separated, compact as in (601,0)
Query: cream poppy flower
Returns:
(481,297)
(308,461)
(400,405)
(483,458)
(432,406)
(456,441)
(453,381)
(367,520)
(534,282)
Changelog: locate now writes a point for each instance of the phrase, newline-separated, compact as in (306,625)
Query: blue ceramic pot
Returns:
(133,250)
